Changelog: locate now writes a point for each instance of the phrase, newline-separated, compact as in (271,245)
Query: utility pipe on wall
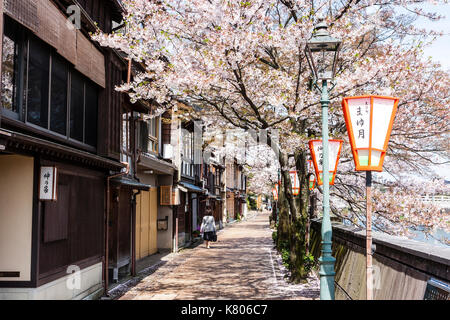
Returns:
(133,232)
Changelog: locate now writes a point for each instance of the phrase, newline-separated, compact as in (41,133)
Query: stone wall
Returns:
(401,267)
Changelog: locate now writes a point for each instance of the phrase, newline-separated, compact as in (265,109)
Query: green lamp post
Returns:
(322,52)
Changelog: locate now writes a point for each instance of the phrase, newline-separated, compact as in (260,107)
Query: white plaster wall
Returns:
(16,215)
(90,282)
(165,240)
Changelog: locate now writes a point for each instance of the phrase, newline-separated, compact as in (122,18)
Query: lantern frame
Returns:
(295,190)
(319,180)
(350,131)
(322,42)
(275,192)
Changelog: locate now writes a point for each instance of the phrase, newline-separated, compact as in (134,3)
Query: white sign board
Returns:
(48,184)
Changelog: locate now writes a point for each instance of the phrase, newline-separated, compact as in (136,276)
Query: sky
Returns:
(440,49)
(440,52)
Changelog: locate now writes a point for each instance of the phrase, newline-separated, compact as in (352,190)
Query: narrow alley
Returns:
(241,265)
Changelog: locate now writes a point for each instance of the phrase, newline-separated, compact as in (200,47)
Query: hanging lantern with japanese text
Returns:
(295,183)
(275,192)
(369,121)
(316,149)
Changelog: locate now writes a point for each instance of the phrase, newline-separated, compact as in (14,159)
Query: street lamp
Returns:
(316,148)
(322,53)
(369,120)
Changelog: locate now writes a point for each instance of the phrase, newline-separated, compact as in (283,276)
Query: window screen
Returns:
(38,84)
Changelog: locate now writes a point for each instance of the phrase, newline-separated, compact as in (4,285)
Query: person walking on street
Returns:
(208,227)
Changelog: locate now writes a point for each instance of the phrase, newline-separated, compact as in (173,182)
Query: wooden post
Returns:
(369,274)
(176,234)
(129,72)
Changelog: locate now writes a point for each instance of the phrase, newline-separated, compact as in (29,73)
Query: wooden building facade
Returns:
(213,177)
(59,109)
(236,190)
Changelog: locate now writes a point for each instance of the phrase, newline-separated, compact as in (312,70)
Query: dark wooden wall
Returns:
(110,109)
(120,226)
(217,209)
(181,213)
(71,229)
(166,128)
(100,11)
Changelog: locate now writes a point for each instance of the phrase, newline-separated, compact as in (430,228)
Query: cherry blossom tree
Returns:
(243,62)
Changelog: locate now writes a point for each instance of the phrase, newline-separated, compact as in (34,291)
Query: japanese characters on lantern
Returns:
(369,121)
(316,148)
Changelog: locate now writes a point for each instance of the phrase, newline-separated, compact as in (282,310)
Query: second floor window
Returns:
(127,147)
(41,89)
(153,135)
(149,135)
(187,156)
(218,177)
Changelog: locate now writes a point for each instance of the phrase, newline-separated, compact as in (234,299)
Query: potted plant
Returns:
(196,234)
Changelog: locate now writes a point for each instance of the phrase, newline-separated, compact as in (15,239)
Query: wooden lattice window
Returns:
(166,195)
(169,196)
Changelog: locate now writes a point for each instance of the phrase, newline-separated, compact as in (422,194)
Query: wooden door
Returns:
(146,223)
(138,226)
(124,226)
(153,245)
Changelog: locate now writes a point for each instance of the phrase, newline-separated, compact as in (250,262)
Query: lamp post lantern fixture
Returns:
(334,152)
(369,120)
(295,183)
(322,52)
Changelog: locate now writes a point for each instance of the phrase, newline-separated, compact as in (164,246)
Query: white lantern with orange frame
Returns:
(316,148)
(275,192)
(295,183)
(369,121)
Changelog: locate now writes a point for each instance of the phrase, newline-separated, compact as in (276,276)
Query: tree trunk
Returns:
(283,220)
(297,207)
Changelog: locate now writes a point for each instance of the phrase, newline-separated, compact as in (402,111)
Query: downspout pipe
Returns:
(108,208)
(133,232)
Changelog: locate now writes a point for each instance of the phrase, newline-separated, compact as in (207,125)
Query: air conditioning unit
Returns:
(167,151)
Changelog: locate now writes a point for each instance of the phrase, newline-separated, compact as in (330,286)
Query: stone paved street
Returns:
(241,265)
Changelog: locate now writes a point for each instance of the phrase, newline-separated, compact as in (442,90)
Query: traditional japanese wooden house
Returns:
(154,215)
(59,110)
(236,190)
(186,141)
(213,180)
